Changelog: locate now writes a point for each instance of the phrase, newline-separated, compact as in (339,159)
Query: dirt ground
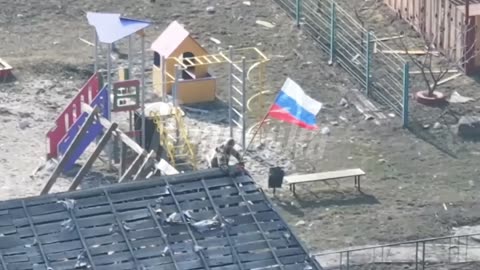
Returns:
(420,182)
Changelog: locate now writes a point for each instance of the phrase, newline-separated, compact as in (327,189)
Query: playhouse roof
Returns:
(110,27)
(170,39)
(199,220)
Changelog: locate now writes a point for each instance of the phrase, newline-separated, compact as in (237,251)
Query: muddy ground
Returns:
(419,182)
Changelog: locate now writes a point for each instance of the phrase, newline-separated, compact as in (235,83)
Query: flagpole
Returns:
(259,127)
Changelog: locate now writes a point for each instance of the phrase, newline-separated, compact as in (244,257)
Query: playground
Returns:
(412,188)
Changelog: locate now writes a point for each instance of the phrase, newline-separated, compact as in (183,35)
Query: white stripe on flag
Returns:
(293,90)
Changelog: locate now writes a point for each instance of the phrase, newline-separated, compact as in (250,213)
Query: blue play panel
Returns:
(95,130)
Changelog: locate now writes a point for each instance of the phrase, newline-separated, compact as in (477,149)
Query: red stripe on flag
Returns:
(281,114)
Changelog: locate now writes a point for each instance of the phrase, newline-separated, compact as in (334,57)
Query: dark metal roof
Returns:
(225,223)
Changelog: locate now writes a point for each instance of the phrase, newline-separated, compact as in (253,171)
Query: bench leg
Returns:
(358,182)
(293,189)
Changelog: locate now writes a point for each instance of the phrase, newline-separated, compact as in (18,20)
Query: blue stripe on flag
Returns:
(290,105)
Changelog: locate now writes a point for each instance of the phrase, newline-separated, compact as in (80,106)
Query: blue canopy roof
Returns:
(110,27)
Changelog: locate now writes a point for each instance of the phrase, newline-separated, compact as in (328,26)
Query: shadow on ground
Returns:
(306,199)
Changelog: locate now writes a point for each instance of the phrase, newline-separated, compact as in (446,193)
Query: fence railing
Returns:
(382,74)
(421,254)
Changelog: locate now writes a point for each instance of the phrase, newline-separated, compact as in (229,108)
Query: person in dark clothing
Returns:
(223,154)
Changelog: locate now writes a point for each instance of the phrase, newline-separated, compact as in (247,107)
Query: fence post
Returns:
(298,12)
(333,26)
(369,61)
(406,88)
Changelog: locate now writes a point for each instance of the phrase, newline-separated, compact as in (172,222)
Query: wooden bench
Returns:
(324,176)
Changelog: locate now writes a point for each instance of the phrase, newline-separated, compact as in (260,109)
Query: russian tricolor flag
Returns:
(293,106)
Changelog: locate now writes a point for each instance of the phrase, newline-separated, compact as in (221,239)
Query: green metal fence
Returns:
(383,75)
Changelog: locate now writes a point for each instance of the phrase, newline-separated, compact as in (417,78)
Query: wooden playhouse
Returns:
(452,26)
(175,46)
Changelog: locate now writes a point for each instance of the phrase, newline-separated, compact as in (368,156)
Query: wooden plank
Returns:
(428,19)
(106,124)
(449,79)
(66,157)
(434,71)
(130,169)
(446,25)
(323,176)
(411,52)
(142,167)
(86,167)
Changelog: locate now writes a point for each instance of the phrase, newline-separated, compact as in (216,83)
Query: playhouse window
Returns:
(190,72)
(156,59)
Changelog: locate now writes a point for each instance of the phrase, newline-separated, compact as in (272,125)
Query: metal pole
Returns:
(333,22)
(164,78)
(348,260)
(109,79)
(406,89)
(96,52)
(143,90)
(367,71)
(416,256)
(109,91)
(244,104)
(130,56)
(298,11)
(423,255)
(175,86)
(230,81)
(129,76)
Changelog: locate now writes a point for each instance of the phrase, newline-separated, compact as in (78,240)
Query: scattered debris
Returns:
(69,204)
(247,3)
(265,24)
(437,125)
(198,248)
(387,38)
(195,110)
(67,225)
(369,117)
(382,160)
(300,223)
(87,42)
(455,97)
(81,261)
(325,131)
(334,123)
(391,115)
(210,9)
(207,224)
(344,119)
(445,207)
(216,41)
(343,102)
(164,251)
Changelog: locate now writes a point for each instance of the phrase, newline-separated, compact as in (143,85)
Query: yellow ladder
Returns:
(165,140)
(183,145)
(177,146)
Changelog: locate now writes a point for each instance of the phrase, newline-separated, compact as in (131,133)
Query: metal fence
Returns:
(382,74)
(430,253)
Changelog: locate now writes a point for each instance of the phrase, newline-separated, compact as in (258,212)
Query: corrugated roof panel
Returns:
(200,220)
